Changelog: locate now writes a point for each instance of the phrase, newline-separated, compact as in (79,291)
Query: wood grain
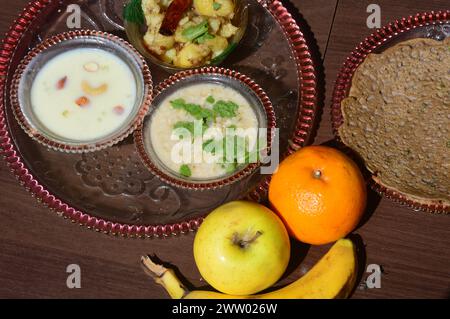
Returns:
(36,246)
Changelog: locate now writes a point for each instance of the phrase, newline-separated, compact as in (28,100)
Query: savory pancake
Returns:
(397,118)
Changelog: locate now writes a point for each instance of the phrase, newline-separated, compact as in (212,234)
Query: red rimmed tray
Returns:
(422,25)
(111,191)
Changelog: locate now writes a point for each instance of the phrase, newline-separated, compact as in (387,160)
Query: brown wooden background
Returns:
(36,246)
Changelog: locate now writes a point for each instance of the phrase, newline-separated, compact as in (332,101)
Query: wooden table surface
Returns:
(413,248)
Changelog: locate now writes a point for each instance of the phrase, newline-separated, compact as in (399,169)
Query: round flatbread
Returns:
(397,118)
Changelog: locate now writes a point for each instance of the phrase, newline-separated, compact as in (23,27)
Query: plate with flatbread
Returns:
(391,108)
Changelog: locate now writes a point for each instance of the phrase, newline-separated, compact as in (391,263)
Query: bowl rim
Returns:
(82,146)
(265,103)
(344,82)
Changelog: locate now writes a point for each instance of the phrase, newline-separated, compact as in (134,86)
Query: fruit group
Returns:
(320,194)
(332,277)
(242,248)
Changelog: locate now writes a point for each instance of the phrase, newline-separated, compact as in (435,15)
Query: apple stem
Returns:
(246,240)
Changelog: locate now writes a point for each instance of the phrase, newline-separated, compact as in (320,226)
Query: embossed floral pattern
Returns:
(114,173)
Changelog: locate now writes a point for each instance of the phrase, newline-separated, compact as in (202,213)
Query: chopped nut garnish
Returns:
(61,83)
(90,90)
(119,110)
(82,101)
(91,67)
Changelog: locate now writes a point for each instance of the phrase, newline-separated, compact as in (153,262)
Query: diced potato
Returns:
(227,8)
(158,43)
(154,21)
(197,19)
(150,7)
(170,55)
(214,24)
(184,21)
(177,49)
(165,3)
(192,55)
(217,45)
(206,8)
(228,30)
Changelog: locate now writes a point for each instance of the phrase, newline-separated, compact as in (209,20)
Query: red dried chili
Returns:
(173,16)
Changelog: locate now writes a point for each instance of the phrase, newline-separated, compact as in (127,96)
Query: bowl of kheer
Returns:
(206,128)
(81,91)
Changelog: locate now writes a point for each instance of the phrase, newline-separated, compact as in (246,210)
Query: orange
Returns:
(320,194)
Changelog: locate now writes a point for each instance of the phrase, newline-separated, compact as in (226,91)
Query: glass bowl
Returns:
(52,47)
(251,91)
(135,33)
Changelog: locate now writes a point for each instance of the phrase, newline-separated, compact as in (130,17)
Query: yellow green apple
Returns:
(242,248)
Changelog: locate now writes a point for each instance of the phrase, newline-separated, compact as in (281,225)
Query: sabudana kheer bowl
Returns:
(220,100)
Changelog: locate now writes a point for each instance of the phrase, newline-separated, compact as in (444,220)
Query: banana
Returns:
(332,277)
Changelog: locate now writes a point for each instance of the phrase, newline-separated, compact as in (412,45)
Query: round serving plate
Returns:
(111,190)
(435,25)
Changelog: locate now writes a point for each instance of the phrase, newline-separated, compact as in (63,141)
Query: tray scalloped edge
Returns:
(307,110)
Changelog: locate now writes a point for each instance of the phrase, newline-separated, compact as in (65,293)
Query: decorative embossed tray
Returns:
(434,25)
(111,190)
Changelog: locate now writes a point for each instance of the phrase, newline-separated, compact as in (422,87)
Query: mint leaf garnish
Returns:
(210,99)
(225,109)
(178,103)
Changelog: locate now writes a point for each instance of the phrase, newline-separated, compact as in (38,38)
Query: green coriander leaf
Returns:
(186,125)
(210,99)
(210,146)
(190,126)
(225,109)
(195,110)
(192,33)
(201,39)
(207,116)
(132,12)
(185,171)
(216,6)
(178,103)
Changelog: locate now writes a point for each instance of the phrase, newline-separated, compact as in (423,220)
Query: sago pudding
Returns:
(204,131)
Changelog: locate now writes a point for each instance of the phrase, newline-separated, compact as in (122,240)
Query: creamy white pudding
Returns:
(83,94)
(210,113)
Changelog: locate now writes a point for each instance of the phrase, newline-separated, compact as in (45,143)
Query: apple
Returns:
(242,248)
